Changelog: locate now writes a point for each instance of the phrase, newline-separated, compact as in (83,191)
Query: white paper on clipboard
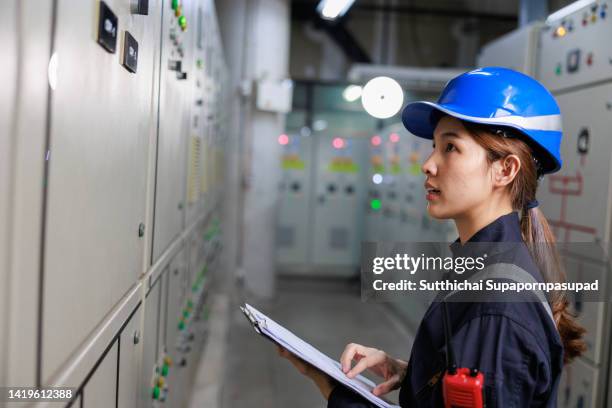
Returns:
(283,337)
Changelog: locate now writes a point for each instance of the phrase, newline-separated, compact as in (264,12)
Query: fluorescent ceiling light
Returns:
(566,11)
(332,9)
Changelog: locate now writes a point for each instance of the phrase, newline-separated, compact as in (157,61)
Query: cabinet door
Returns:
(100,124)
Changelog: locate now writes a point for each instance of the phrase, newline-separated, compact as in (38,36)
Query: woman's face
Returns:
(458,177)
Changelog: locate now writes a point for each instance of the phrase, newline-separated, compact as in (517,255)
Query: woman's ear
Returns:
(506,169)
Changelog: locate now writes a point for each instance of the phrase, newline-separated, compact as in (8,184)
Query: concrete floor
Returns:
(328,314)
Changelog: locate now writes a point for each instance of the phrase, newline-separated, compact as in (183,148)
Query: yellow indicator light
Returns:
(561,31)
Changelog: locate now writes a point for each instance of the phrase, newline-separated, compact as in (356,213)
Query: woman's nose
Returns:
(429,166)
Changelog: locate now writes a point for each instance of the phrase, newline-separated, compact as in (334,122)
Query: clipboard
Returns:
(279,335)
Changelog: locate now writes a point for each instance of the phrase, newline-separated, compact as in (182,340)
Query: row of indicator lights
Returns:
(337,142)
(160,387)
(568,26)
(376,140)
(178,13)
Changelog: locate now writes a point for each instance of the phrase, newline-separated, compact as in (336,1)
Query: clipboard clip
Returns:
(257,323)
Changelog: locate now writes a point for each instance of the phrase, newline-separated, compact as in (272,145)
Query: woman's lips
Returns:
(432,194)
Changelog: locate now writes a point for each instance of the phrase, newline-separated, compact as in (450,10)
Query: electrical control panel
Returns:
(574,50)
(575,63)
(110,113)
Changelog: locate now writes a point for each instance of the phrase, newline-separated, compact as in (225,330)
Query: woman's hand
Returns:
(323,381)
(377,361)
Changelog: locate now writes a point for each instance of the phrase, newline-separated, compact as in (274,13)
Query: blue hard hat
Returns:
(502,98)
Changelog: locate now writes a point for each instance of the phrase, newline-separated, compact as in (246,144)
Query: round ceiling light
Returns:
(382,97)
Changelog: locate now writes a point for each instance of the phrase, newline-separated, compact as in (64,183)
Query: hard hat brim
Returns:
(421,118)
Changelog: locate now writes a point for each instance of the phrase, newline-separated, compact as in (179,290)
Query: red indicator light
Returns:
(338,143)
(283,139)
(394,137)
(376,141)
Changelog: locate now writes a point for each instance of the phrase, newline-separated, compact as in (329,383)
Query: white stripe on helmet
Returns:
(543,122)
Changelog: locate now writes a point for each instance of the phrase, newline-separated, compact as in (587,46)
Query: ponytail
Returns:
(537,232)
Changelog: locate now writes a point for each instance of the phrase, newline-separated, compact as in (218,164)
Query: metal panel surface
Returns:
(591,315)
(515,50)
(176,294)
(150,341)
(130,351)
(293,229)
(97,159)
(33,22)
(584,180)
(101,389)
(8,53)
(578,387)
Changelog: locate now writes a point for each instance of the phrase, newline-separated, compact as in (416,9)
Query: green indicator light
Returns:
(164,370)
(185,313)
(181,325)
(182,21)
(175,4)
(558,70)
(375,204)
(156,392)
(189,303)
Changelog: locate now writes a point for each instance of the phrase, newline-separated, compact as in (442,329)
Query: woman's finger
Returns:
(362,365)
(349,354)
(387,386)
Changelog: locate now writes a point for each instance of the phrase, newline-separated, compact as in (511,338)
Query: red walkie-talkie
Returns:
(461,387)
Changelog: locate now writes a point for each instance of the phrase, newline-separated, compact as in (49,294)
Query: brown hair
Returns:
(536,232)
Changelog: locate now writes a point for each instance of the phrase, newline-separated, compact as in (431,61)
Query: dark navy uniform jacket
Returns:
(515,345)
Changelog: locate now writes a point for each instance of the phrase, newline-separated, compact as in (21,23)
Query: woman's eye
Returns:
(449,147)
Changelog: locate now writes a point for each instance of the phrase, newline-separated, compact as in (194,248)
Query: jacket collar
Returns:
(504,229)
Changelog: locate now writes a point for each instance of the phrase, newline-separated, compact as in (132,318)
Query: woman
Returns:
(495,133)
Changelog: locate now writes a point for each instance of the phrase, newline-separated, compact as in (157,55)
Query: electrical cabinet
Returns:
(96,172)
(576,65)
(107,111)
(337,195)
